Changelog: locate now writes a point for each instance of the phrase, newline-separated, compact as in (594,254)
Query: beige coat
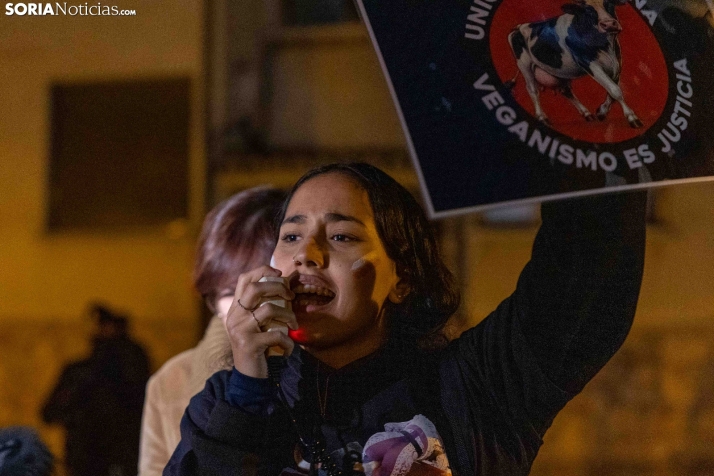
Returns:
(169,391)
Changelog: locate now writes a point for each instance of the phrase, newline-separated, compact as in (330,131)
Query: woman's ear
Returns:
(400,291)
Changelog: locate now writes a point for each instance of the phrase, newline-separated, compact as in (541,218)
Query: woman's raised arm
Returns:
(571,310)
(576,298)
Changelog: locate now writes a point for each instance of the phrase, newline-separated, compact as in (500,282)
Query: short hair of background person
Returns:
(237,235)
(22,453)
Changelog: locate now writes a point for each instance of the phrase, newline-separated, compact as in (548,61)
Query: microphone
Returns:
(274,326)
(275,355)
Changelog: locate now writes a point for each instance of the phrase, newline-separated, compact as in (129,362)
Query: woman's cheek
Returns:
(364,266)
(358,266)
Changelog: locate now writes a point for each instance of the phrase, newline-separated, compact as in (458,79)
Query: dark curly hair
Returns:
(409,240)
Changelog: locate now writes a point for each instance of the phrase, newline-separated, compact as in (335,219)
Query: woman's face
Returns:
(343,274)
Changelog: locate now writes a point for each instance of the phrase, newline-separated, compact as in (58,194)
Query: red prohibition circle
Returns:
(644,80)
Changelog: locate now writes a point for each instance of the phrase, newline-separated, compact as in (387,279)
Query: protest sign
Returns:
(516,101)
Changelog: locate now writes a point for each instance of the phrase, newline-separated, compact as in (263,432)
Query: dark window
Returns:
(317,12)
(119,154)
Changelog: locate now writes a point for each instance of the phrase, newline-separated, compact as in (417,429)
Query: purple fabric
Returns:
(394,451)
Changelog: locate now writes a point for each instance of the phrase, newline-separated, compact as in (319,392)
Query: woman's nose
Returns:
(311,253)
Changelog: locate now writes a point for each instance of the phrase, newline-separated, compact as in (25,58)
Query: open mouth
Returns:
(312,295)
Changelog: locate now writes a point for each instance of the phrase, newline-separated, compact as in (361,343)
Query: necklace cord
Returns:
(322,399)
(317,448)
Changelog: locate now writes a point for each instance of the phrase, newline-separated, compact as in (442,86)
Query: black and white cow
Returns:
(582,41)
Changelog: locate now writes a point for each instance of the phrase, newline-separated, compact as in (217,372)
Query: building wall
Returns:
(52,277)
(46,280)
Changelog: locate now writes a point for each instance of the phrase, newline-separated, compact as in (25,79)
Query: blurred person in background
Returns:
(99,400)
(237,235)
(23,453)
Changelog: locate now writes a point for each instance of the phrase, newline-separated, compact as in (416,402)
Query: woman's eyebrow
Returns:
(329,217)
(334,217)
(295,219)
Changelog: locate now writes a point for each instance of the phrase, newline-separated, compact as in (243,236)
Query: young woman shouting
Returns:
(369,384)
